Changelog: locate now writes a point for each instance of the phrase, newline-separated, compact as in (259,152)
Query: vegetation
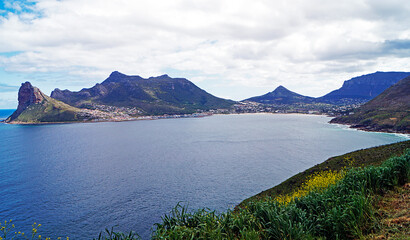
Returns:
(343,210)
(372,156)
(347,197)
(153,96)
(49,110)
(392,211)
(389,111)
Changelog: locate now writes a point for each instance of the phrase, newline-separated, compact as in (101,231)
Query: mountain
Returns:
(363,88)
(281,95)
(36,107)
(389,111)
(155,95)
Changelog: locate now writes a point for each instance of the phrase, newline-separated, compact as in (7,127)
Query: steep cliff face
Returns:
(27,96)
(36,107)
(363,88)
(389,111)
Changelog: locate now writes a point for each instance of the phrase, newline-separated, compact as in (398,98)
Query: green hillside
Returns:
(36,107)
(389,111)
(152,96)
(365,157)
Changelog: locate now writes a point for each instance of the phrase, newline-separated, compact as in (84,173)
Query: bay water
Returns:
(78,179)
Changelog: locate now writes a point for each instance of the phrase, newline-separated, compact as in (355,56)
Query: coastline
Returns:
(358,158)
(367,129)
(140,118)
(208,114)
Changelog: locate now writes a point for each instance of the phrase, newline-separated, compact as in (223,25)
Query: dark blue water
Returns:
(77,179)
(5,113)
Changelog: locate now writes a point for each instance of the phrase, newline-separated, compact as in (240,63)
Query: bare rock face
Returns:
(27,96)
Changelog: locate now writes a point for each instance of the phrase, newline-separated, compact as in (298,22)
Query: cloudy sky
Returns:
(232,49)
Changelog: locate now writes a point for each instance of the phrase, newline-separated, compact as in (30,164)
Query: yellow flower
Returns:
(39,236)
(315,182)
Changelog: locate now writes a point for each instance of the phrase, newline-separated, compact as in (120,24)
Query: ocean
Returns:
(78,179)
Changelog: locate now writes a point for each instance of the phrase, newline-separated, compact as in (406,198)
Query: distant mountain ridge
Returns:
(356,90)
(155,95)
(281,95)
(389,111)
(363,88)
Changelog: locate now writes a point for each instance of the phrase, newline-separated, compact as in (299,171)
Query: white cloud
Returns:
(235,49)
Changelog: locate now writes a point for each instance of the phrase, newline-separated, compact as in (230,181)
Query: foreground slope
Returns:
(281,95)
(36,107)
(365,157)
(390,111)
(155,95)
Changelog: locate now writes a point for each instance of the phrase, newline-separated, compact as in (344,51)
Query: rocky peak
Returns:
(27,96)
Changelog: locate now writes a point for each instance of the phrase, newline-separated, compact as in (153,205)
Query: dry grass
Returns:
(393,210)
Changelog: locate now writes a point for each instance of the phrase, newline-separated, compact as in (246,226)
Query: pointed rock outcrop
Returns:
(27,96)
(36,107)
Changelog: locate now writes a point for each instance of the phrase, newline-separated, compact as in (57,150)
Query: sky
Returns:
(233,49)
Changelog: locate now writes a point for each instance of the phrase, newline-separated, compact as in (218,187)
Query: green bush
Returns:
(342,211)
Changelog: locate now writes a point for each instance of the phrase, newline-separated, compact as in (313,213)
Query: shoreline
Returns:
(159,117)
(199,115)
(365,129)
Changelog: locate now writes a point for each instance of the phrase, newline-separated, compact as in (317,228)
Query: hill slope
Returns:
(155,95)
(281,95)
(36,107)
(363,88)
(389,111)
(361,158)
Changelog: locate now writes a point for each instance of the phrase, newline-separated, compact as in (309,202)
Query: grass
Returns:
(354,196)
(342,210)
(372,156)
(393,215)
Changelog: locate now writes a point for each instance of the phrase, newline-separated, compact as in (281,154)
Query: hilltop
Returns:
(152,96)
(281,95)
(389,111)
(36,107)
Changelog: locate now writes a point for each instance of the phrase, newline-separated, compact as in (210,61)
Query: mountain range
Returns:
(152,96)
(356,90)
(363,88)
(389,111)
(123,97)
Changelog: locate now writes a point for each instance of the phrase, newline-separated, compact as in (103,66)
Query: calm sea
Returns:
(78,179)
